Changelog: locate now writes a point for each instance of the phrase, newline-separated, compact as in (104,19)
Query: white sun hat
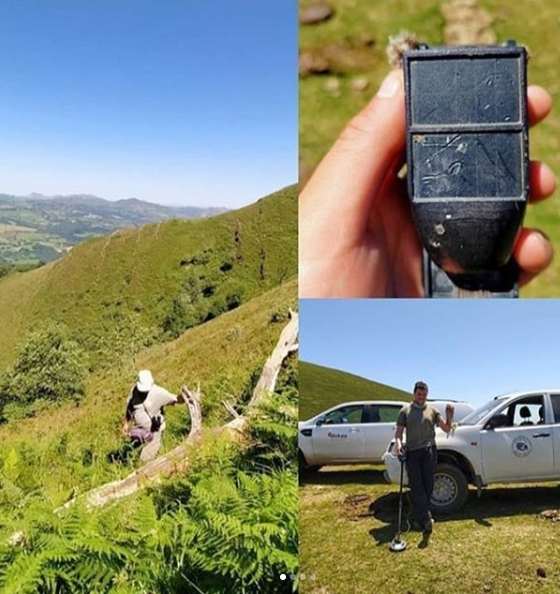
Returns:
(145,380)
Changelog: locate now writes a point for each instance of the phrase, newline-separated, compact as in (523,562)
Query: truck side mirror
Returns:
(321,421)
(497,421)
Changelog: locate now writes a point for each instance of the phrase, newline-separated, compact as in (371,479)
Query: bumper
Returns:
(392,472)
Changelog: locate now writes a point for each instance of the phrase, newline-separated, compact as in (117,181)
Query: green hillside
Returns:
(323,387)
(143,286)
(224,355)
(198,303)
(228,526)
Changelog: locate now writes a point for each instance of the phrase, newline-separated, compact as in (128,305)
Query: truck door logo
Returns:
(521,447)
(337,435)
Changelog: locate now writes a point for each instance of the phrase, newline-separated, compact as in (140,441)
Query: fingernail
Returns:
(391,85)
(542,237)
(552,176)
(543,240)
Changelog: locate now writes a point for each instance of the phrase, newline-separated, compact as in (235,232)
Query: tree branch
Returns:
(176,461)
(151,472)
(285,345)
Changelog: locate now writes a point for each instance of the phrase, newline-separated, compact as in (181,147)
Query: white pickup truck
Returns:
(355,432)
(513,438)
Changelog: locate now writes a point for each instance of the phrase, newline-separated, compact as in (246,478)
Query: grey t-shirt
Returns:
(156,399)
(419,422)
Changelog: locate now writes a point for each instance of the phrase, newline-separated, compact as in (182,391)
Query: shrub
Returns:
(181,316)
(49,366)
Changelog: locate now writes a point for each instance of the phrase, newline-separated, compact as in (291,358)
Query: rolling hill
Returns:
(144,286)
(42,228)
(323,387)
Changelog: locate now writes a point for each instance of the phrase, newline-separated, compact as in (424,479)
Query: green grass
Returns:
(323,114)
(25,244)
(63,451)
(144,286)
(227,526)
(42,229)
(323,387)
(493,545)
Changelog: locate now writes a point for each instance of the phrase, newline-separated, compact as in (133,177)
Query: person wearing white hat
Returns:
(144,421)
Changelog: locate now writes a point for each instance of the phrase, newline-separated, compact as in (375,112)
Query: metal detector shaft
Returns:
(397,544)
(399,528)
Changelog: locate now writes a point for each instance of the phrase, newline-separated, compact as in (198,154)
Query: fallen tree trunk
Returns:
(176,461)
(150,472)
(287,343)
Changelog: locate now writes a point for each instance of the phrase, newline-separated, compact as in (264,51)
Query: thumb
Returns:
(355,167)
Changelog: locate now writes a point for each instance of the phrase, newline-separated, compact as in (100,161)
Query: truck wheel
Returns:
(450,489)
(303,466)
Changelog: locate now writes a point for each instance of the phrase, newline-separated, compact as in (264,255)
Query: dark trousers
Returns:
(421,466)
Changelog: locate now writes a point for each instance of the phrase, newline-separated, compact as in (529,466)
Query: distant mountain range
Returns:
(42,228)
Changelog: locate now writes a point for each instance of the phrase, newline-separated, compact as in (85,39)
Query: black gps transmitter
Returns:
(467,163)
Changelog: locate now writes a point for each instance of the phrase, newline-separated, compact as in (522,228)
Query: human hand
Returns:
(356,233)
(449,411)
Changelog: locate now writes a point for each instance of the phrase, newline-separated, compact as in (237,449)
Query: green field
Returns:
(348,516)
(19,244)
(493,545)
(357,37)
(323,387)
(228,526)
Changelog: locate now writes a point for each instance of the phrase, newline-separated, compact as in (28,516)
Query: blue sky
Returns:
(177,102)
(464,349)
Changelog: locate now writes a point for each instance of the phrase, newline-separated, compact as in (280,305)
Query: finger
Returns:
(539,104)
(403,247)
(347,180)
(533,252)
(543,181)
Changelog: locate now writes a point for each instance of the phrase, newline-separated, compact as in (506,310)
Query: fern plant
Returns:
(229,527)
(237,533)
(79,552)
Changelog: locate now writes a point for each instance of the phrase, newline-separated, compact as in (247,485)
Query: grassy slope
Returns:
(130,279)
(494,545)
(533,23)
(322,387)
(48,456)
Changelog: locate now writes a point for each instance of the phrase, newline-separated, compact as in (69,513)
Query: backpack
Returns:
(139,434)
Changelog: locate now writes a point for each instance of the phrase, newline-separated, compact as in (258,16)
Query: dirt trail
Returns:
(466,23)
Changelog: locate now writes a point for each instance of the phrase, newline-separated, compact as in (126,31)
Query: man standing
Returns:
(420,419)
(144,409)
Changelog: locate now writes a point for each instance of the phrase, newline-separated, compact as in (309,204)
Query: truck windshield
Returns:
(474,417)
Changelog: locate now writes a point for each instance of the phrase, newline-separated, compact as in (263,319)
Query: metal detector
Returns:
(398,544)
